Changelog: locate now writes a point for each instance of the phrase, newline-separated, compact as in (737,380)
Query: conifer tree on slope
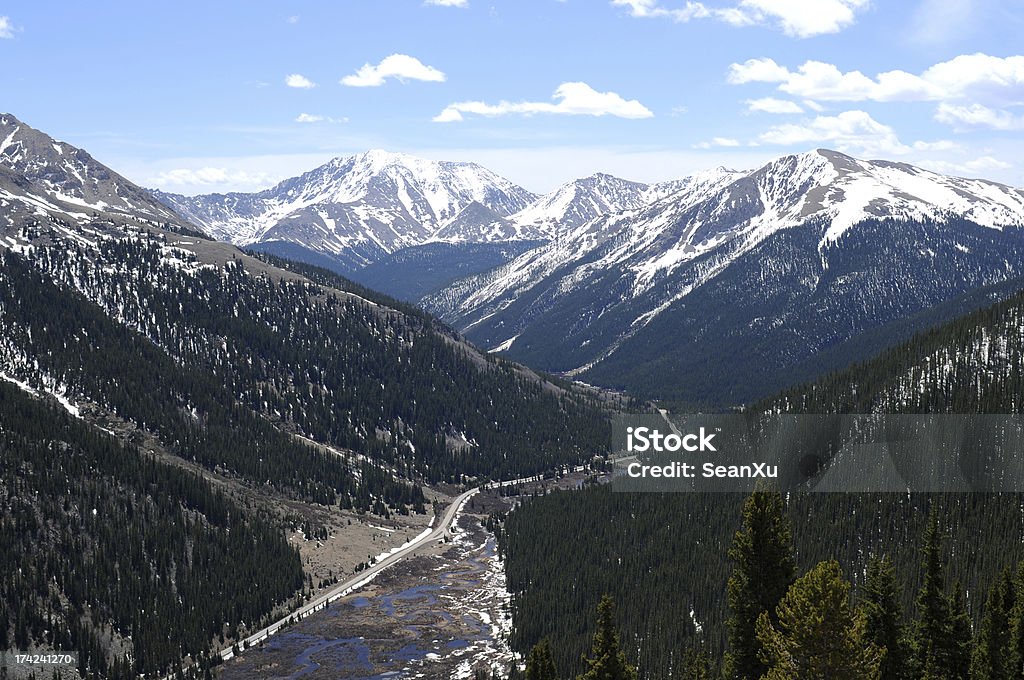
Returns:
(819,635)
(961,642)
(941,650)
(762,554)
(991,659)
(696,666)
(884,619)
(1017,626)
(540,665)
(607,659)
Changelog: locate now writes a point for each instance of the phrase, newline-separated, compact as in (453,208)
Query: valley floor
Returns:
(438,614)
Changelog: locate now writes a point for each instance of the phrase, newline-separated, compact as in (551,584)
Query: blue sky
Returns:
(203,97)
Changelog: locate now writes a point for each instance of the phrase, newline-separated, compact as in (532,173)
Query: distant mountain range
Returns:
(359,209)
(742,283)
(364,210)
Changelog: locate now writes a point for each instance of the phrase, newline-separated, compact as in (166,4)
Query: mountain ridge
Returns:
(362,208)
(357,208)
(793,229)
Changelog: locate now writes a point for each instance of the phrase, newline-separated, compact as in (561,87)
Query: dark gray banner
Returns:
(818,453)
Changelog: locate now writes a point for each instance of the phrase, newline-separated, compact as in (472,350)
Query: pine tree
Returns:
(991,659)
(942,636)
(960,643)
(607,659)
(819,634)
(764,569)
(933,632)
(1017,626)
(696,666)
(884,618)
(540,665)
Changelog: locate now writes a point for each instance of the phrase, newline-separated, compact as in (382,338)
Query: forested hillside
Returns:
(666,557)
(133,562)
(972,365)
(53,337)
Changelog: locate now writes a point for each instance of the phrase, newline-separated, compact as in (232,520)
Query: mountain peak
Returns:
(66,180)
(378,159)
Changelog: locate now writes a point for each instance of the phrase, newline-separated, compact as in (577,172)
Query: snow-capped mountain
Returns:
(42,176)
(580,201)
(361,208)
(757,257)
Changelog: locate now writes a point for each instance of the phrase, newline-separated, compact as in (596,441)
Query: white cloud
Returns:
(984,164)
(316,118)
(799,18)
(803,18)
(570,99)
(448,3)
(293,19)
(939,145)
(977,115)
(6,28)
(851,131)
(773,105)
(207,177)
(757,71)
(963,76)
(399,66)
(718,142)
(300,81)
(650,8)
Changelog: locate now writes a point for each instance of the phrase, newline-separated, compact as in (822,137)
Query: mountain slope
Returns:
(413,273)
(723,293)
(580,201)
(974,364)
(325,359)
(108,548)
(42,176)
